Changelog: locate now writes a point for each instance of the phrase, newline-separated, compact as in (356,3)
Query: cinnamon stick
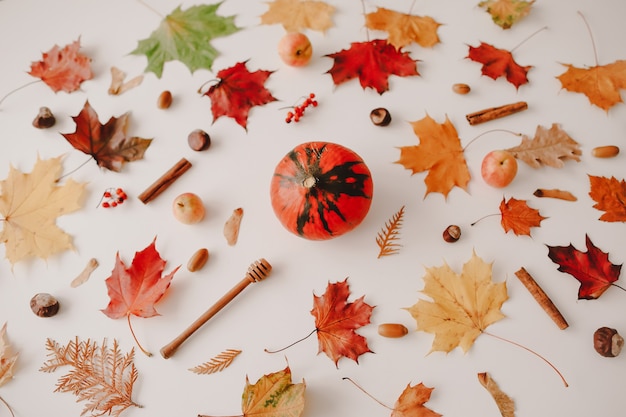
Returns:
(542,298)
(492,113)
(165,181)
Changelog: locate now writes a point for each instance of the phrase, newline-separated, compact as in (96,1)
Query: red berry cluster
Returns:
(298,111)
(112,197)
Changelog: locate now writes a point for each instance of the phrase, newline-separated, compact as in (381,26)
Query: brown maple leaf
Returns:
(592,269)
(439,152)
(404,28)
(296,15)
(518,217)
(601,83)
(505,13)
(134,290)
(549,147)
(610,197)
(103,377)
(372,62)
(499,63)
(237,91)
(30,204)
(63,68)
(107,144)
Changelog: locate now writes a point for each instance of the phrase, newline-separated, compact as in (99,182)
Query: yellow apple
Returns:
(499,168)
(295,49)
(188,208)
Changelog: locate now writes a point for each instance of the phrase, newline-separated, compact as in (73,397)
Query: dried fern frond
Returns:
(217,363)
(101,376)
(388,236)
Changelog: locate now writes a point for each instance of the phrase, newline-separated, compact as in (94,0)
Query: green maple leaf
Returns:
(185,36)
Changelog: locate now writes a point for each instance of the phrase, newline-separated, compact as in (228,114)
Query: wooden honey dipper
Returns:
(257,271)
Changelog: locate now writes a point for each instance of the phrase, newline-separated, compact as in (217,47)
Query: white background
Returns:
(236,171)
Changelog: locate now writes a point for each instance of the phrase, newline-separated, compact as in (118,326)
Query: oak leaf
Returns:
(601,83)
(30,204)
(592,269)
(505,13)
(134,290)
(63,69)
(185,36)
(101,376)
(518,217)
(462,306)
(404,28)
(273,395)
(439,152)
(387,238)
(108,144)
(372,62)
(499,63)
(237,91)
(336,320)
(7,357)
(411,402)
(610,197)
(549,147)
(296,15)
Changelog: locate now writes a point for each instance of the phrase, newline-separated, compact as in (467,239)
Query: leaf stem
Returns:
(619,286)
(527,38)
(490,131)
(484,217)
(18,89)
(75,169)
(593,43)
(291,344)
(412,5)
(345,378)
(531,351)
(214,80)
(7,405)
(367,32)
(204,415)
(143,3)
(135,337)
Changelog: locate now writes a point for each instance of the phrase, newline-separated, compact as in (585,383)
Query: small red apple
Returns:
(188,208)
(295,49)
(498,168)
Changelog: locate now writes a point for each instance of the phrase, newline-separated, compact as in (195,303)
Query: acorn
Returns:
(452,233)
(44,118)
(199,140)
(380,116)
(607,342)
(44,305)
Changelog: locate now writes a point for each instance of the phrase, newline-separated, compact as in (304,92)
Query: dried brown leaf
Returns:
(231,227)
(118,86)
(549,147)
(389,234)
(217,363)
(7,357)
(504,402)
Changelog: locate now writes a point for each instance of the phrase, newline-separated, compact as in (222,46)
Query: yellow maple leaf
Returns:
(601,83)
(404,28)
(30,204)
(463,305)
(439,152)
(296,15)
(7,357)
(505,13)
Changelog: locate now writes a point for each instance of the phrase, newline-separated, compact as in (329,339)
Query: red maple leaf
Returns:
(499,62)
(336,321)
(134,290)
(592,268)
(237,91)
(518,217)
(63,68)
(107,144)
(372,62)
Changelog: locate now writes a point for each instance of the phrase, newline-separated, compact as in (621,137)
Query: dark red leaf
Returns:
(499,63)
(592,268)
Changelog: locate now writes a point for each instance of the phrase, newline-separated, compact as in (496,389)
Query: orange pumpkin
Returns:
(321,190)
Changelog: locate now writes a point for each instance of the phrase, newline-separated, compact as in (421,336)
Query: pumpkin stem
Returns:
(309,181)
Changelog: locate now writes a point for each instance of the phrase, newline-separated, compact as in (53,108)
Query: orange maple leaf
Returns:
(404,28)
(411,402)
(63,68)
(601,83)
(610,197)
(296,15)
(336,321)
(518,217)
(438,152)
(499,62)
